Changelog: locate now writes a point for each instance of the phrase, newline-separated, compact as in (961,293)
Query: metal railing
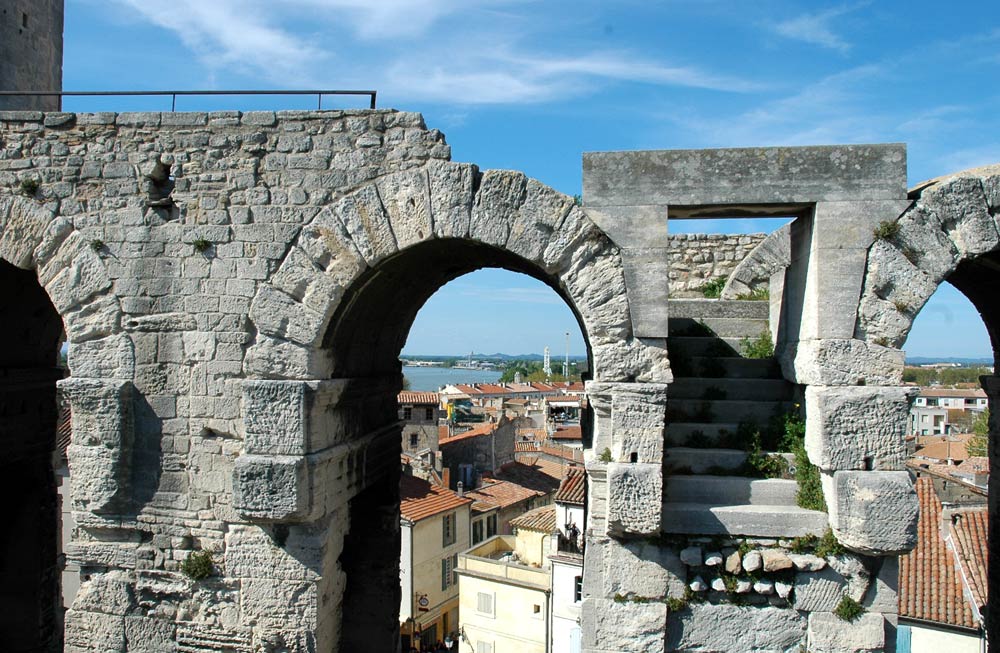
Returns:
(173,94)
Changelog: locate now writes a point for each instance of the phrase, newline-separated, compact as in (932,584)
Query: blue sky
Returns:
(530,85)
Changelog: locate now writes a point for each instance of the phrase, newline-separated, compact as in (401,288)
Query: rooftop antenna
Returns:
(566,362)
(547,367)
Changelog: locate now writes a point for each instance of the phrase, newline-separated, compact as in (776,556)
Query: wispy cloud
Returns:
(415,59)
(817,28)
(513,294)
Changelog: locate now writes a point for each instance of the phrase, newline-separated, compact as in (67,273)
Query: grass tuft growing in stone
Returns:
(198,565)
(713,289)
(760,347)
(605,456)
(886,230)
(97,244)
(30,187)
(675,605)
(201,244)
(848,609)
(756,295)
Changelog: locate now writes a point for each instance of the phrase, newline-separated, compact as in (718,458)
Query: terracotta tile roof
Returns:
(532,432)
(408,397)
(64,431)
(943,450)
(483,429)
(974,464)
(566,453)
(529,445)
(573,488)
(929,584)
(563,399)
(538,474)
(969,533)
(568,433)
(977,393)
(501,494)
(541,519)
(419,499)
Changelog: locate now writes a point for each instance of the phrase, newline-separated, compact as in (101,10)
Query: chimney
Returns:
(446,477)
(461,489)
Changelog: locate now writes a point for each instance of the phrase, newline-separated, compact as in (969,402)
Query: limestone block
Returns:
(626,627)
(842,362)
(641,569)
(252,552)
(277,604)
(638,418)
(539,216)
(961,207)
(830,634)
(691,556)
(882,595)
(753,561)
(892,280)
(102,440)
(278,358)
(806,561)
(290,417)
(272,488)
(406,198)
(327,244)
(876,512)
(647,272)
(112,357)
(500,195)
(108,593)
(726,627)
(857,427)
(149,635)
(367,224)
(26,221)
(635,495)
(643,360)
(451,196)
(100,316)
(852,568)
(281,316)
(83,278)
(819,591)
(59,231)
(318,290)
(597,290)
(93,631)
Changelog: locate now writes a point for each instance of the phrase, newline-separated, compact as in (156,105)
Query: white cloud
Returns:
(817,28)
(513,294)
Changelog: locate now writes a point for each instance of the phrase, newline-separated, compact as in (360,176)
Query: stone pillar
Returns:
(310,469)
(991,384)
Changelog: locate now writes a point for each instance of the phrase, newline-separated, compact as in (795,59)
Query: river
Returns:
(430,379)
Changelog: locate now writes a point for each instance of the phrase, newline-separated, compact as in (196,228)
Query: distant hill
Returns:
(490,357)
(924,360)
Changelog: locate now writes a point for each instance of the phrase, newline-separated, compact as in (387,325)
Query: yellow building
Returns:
(504,588)
(434,524)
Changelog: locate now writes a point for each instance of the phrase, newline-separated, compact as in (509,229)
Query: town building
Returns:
(565,634)
(942,582)
(434,524)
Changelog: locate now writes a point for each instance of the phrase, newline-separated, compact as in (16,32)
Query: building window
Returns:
(448,530)
(577,589)
(413,439)
(484,603)
(484,647)
(536,611)
(491,525)
(407,413)
(932,401)
(429,414)
(477,531)
(448,575)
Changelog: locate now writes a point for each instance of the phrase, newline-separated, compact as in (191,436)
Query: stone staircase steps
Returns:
(730,490)
(692,346)
(747,519)
(727,410)
(679,433)
(717,327)
(733,389)
(737,367)
(718,308)
(697,460)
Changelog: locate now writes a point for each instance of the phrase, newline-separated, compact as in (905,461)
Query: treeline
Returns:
(532,371)
(946,376)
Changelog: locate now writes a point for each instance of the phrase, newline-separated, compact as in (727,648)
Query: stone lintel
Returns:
(761,175)
(290,417)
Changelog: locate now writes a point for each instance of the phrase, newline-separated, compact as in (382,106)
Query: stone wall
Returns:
(698,258)
(31,52)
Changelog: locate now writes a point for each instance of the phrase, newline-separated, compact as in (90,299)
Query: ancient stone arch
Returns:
(233,330)
(55,286)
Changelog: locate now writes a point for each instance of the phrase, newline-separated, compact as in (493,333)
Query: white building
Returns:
(567,563)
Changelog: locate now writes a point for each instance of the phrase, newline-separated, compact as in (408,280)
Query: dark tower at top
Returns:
(31,51)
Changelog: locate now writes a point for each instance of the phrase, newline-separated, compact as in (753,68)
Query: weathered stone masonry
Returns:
(235,290)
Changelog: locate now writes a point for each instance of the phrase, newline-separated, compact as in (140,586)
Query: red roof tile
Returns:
(502,494)
(929,584)
(483,429)
(538,474)
(573,488)
(978,393)
(969,533)
(408,397)
(419,499)
(541,519)
(566,453)
(568,433)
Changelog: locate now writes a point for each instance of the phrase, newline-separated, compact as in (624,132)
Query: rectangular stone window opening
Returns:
(24,20)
